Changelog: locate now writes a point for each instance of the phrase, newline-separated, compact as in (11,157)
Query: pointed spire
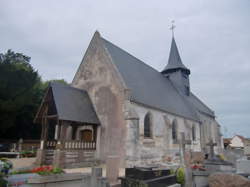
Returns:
(174,61)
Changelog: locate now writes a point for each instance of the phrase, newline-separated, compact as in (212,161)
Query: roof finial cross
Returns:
(172,27)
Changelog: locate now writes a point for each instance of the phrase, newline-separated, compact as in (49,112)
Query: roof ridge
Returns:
(202,102)
(132,55)
(124,60)
(67,86)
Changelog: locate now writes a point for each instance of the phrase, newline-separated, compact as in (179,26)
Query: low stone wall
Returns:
(233,155)
(200,178)
(67,158)
(62,180)
(94,179)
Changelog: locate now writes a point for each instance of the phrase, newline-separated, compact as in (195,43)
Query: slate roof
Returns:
(73,104)
(174,60)
(149,87)
(199,105)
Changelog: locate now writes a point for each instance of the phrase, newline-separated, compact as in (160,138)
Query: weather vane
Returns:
(172,27)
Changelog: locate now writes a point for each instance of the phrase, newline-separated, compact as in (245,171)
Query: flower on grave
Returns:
(198,167)
(42,169)
(46,170)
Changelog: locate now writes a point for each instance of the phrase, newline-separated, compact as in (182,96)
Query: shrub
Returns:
(222,157)
(3,182)
(180,175)
(172,171)
(28,153)
(5,165)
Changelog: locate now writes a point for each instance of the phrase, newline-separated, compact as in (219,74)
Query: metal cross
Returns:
(211,144)
(172,28)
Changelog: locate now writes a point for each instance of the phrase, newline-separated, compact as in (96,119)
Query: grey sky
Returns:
(213,38)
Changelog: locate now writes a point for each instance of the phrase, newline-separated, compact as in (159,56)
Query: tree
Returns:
(46,83)
(20,95)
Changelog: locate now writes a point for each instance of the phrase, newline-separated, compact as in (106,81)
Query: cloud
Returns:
(212,36)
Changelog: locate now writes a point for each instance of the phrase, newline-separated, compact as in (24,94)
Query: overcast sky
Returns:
(213,38)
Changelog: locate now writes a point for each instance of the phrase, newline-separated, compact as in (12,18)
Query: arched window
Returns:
(148,125)
(174,130)
(193,133)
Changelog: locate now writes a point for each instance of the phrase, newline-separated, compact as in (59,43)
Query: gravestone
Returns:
(21,180)
(147,176)
(215,164)
(211,145)
(247,149)
(243,166)
(95,180)
(212,164)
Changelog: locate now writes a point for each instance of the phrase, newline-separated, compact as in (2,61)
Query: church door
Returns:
(86,135)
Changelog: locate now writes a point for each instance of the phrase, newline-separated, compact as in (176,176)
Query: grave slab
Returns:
(150,177)
(243,166)
(21,180)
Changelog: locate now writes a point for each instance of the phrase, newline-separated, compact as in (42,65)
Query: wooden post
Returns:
(98,142)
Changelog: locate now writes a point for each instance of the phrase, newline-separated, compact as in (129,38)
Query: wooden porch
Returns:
(69,145)
(70,127)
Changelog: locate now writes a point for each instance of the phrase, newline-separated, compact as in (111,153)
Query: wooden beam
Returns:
(51,116)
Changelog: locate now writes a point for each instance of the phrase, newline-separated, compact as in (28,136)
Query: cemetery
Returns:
(194,170)
(124,93)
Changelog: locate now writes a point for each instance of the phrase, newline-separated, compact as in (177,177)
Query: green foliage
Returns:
(3,182)
(172,171)
(44,170)
(28,153)
(222,157)
(20,172)
(7,163)
(180,175)
(21,92)
(46,83)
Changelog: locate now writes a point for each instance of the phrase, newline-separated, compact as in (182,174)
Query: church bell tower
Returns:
(176,71)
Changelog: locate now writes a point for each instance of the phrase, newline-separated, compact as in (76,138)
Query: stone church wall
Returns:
(100,78)
(210,130)
(142,151)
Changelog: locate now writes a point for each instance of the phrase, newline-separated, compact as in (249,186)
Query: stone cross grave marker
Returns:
(182,145)
(184,162)
(211,144)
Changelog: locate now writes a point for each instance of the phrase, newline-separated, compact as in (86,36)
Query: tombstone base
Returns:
(40,156)
(113,163)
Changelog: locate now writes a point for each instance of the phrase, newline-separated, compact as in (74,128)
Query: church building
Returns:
(118,106)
